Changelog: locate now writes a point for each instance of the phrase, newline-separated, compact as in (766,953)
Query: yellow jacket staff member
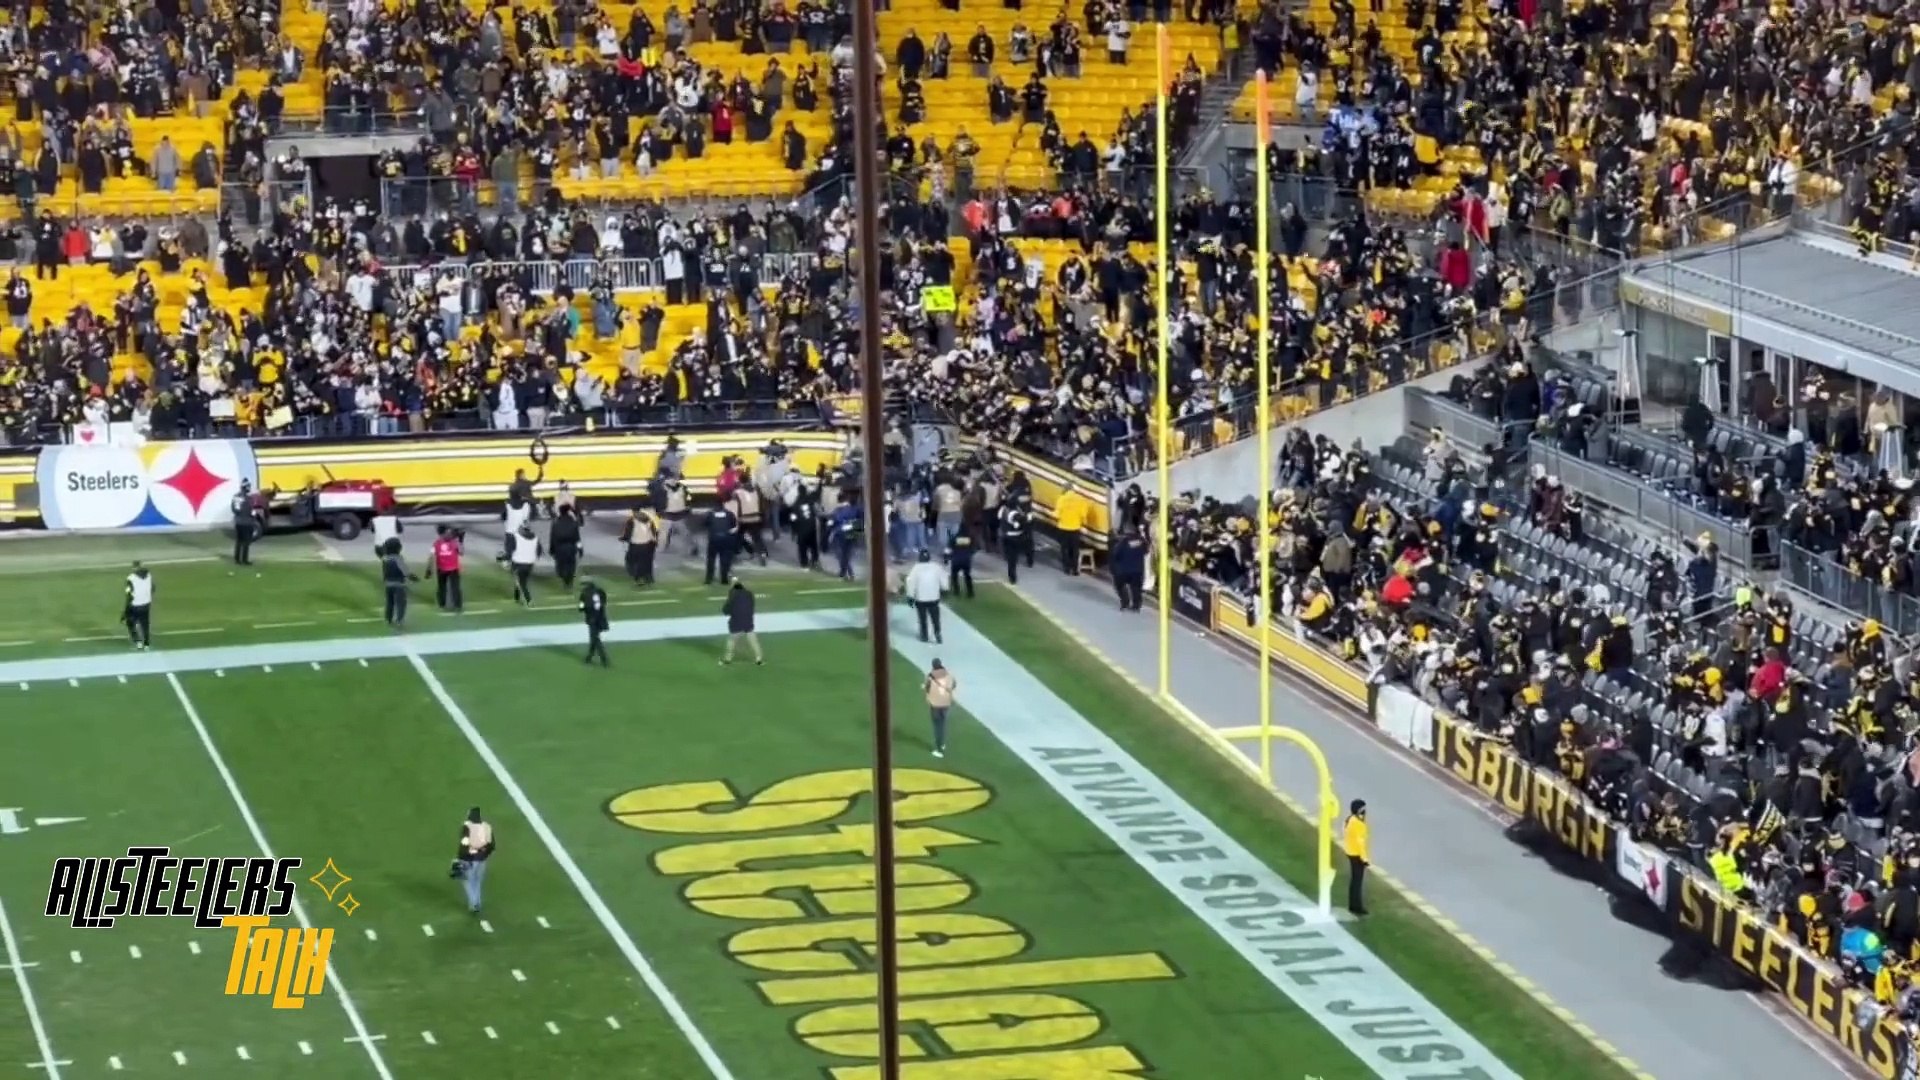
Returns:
(1358,858)
(1069,517)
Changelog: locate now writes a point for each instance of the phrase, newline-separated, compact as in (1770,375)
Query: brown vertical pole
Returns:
(866,177)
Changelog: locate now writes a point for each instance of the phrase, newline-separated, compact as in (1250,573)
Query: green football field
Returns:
(683,883)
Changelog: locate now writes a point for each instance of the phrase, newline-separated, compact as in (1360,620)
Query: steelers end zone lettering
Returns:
(970,1006)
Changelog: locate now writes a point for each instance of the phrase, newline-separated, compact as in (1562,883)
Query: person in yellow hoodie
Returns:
(1069,517)
(1358,856)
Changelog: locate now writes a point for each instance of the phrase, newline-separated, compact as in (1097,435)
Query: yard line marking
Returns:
(368,1039)
(114,1063)
(93,637)
(544,924)
(371,936)
(74,956)
(486,927)
(553,1027)
(824,592)
(531,814)
(193,947)
(483,611)
(428,1036)
(193,630)
(179,1058)
(260,840)
(644,603)
(14,644)
(491,1034)
(306,1047)
(369,618)
(242,1051)
(26,964)
(427,930)
(281,625)
(612,1023)
(39,1025)
(133,951)
(519,976)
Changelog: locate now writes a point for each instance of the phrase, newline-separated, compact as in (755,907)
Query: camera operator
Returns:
(641,537)
(448,546)
(564,541)
(470,861)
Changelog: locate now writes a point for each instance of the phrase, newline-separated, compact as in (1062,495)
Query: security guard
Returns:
(960,551)
(1358,858)
(746,508)
(563,543)
(593,608)
(470,862)
(723,536)
(139,610)
(1128,564)
(1016,537)
(642,539)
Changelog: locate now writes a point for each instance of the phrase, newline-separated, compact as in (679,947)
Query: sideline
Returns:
(1386,1024)
(1232,752)
(1316,964)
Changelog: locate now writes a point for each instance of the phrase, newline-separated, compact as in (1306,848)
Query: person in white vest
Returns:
(139,610)
(523,552)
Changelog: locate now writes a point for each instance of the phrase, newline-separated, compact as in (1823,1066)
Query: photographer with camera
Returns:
(448,547)
(470,862)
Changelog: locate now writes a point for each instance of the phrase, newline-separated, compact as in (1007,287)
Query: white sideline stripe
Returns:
(34,1019)
(531,814)
(266,849)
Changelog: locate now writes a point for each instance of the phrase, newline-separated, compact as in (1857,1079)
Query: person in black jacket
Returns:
(960,551)
(395,576)
(1128,565)
(739,612)
(563,543)
(593,608)
(723,538)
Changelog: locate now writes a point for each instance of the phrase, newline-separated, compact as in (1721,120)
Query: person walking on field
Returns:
(739,612)
(939,689)
(1357,856)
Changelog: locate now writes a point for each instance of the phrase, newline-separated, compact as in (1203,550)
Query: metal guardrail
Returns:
(1826,578)
(628,275)
(1662,510)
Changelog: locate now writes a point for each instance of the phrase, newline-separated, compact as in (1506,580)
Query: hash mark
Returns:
(363,663)
(315,663)
(306,1047)
(193,947)
(123,680)
(114,1063)
(219,673)
(491,1034)
(133,951)
(267,668)
(486,926)
(553,1027)
(179,1058)
(544,924)
(613,1023)
(371,936)
(75,954)
(242,1051)
(519,976)
(428,1036)
(73,682)
(23,686)
(427,930)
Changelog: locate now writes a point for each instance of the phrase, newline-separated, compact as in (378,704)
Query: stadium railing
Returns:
(1653,507)
(629,275)
(1831,581)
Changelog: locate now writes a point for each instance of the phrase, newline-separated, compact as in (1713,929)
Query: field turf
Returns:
(683,874)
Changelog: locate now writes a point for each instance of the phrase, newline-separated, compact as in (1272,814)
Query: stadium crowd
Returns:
(1704,712)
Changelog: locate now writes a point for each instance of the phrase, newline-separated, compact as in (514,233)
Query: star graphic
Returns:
(349,905)
(330,879)
(194,481)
